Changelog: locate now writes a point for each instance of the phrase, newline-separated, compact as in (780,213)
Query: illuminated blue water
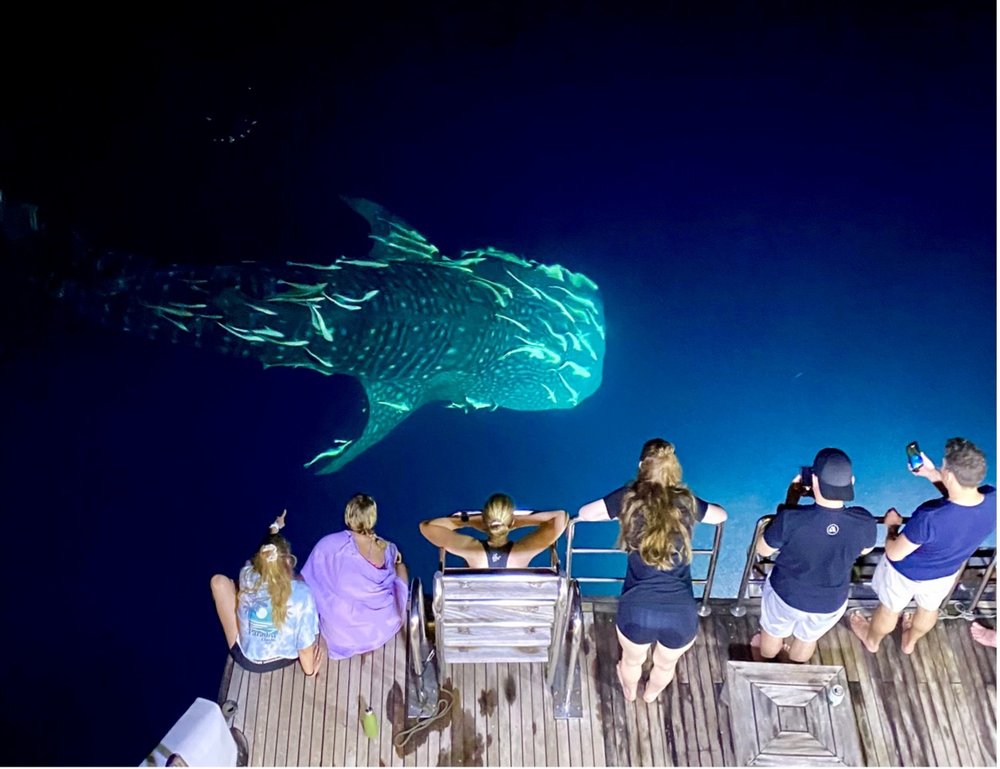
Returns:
(793,229)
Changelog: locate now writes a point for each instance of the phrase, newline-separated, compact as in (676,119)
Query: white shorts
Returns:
(895,591)
(780,620)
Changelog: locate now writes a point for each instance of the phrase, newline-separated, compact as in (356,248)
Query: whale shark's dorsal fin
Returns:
(395,240)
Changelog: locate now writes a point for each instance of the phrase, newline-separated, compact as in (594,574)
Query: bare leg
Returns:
(983,635)
(630,666)
(801,651)
(664,664)
(224,595)
(872,632)
(770,645)
(916,626)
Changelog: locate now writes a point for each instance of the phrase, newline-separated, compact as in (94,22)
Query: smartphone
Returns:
(913,458)
(806,480)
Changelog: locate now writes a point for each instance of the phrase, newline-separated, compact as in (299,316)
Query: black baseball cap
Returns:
(832,470)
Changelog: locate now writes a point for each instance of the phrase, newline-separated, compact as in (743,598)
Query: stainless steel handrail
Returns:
(416,623)
(576,637)
(422,677)
(713,552)
(989,574)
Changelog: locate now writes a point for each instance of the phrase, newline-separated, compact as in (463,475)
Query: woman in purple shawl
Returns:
(359,582)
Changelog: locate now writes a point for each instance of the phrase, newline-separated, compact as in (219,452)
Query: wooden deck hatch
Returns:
(791,715)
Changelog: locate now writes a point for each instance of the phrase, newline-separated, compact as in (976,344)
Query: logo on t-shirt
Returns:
(832,529)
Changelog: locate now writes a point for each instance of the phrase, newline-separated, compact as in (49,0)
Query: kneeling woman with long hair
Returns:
(657,513)
(271,621)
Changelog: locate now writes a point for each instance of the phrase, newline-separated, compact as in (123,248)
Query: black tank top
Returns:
(496,557)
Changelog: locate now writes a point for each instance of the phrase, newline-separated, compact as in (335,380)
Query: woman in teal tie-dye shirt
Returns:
(271,621)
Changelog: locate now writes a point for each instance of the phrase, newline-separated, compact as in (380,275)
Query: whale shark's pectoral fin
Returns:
(388,405)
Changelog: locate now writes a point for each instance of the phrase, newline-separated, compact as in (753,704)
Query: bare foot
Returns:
(629,693)
(907,645)
(983,635)
(755,649)
(859,624)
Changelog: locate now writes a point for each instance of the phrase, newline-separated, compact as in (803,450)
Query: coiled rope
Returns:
(444,708)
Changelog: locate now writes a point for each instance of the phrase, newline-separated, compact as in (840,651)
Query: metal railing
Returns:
(421,676)
(564,677)
(709,579)
(757,568)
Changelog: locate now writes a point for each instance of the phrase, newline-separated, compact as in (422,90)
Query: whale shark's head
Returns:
(551,352)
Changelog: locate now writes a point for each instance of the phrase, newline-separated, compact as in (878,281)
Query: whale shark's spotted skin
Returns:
(482,330)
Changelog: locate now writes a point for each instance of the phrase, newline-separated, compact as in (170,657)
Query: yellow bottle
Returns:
(369,723)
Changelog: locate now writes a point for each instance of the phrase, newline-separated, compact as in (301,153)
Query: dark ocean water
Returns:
(791,217)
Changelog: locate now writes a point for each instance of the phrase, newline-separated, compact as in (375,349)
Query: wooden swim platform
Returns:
(936,707)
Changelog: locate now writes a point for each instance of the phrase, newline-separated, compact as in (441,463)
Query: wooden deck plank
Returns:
(309,714)
(899,669)
(717,631)
(643,741)
(675,734)
(612,699)
(395,701)
(471,736)
(524,695)
(250,727)
(687,711)
(355,745)
(709,712)
(284,725)
(295,714)
(489,703)
(323,731)
(379,674)
(237,691)
(260,722)
(335,746)
(874,739)
(657,722)
(591,703)
(933,659)
(983,721)
(891,747)
(365,701)
(585,723)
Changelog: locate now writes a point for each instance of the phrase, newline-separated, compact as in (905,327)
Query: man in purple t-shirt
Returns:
(923,561)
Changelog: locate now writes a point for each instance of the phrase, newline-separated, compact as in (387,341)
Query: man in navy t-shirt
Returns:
(806,592)
(923,561)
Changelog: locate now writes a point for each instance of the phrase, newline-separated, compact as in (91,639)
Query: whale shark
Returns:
(483,329)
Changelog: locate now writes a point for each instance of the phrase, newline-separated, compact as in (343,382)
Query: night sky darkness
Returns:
(790,209)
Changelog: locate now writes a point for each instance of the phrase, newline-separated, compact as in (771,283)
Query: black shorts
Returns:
(257,667)
(671,625)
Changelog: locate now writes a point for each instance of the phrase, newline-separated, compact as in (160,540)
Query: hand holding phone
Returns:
(913,458)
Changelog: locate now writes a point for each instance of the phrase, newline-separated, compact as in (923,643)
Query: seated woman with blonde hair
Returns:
(496,521)
(359,581)
(657,513)
(271,621)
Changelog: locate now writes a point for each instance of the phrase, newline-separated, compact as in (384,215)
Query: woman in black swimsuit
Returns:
(496,521)
(657,608)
